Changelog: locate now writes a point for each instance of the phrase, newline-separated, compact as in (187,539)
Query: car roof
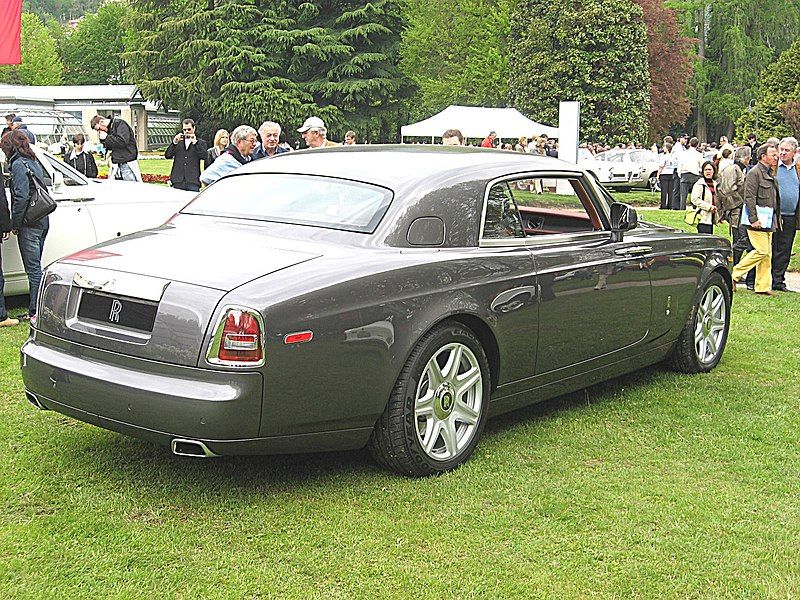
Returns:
(398,165)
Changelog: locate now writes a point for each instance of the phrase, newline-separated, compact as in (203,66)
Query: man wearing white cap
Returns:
(314,133)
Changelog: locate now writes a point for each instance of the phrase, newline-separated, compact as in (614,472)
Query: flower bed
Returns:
(146,177)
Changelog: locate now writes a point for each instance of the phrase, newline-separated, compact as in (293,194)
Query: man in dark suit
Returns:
(187,152)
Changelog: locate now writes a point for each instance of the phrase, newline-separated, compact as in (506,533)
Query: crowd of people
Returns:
(754,188)
(231,150)
(538,144)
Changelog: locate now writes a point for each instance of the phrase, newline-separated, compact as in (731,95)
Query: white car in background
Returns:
(624,169)
(90,211)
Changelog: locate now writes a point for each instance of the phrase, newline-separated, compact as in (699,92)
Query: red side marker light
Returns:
(298,337)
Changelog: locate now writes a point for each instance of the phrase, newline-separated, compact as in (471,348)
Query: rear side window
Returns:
(295,199)
(502,217)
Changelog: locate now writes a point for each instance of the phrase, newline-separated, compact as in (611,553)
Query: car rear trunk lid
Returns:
(153,294)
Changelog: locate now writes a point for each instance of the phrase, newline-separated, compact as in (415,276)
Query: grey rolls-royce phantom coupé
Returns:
(387,296)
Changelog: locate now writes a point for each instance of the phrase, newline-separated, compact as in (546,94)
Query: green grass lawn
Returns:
(655,485)
(155,166)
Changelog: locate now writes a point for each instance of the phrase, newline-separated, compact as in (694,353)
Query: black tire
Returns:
(410,441)
(702,340)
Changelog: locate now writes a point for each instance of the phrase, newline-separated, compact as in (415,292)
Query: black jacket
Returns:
(83,162)
(211,155)
(121,141)
(186,163)
(5,212)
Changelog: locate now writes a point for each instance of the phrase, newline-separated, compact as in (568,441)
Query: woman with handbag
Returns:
(702,198)
(30,236)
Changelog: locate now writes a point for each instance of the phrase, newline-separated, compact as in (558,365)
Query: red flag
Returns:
(11,17)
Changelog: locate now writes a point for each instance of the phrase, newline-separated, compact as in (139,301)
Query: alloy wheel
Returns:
(709,331)
(449,401)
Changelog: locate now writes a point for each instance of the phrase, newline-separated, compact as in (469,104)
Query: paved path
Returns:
(793,281)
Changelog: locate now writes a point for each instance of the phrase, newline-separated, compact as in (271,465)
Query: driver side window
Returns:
(69,178)
(502,217)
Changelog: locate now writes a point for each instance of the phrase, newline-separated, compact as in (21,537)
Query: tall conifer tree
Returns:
(244,62)
(594,52)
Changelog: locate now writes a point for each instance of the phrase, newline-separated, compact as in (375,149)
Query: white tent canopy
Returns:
(477,122)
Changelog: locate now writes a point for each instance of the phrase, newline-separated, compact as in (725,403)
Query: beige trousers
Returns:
(760,258)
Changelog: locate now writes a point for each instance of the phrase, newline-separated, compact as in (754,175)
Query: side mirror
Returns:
(623,218)
(58,181)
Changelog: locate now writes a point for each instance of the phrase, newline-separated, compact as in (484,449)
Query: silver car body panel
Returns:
(554,313)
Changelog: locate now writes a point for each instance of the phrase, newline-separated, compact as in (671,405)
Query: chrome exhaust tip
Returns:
(34,400)
(181,447)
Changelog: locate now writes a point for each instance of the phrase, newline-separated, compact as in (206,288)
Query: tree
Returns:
(737,41)
(775,111)
(669,58)
(92,53)
(231,62)
(349,59)
(456,53)
(60,10)
(40,63)
(595,53)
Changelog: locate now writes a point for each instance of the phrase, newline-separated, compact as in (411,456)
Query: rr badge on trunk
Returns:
(116,308)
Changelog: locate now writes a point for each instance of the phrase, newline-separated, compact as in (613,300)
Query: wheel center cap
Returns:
(707,324)
(445,400)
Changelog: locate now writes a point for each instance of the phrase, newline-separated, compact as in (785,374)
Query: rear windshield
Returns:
(296,199)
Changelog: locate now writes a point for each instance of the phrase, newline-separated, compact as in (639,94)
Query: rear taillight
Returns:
(238,339)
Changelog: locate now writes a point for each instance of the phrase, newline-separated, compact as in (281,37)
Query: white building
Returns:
(47,108)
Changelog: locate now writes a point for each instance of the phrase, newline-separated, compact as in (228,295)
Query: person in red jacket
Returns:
(488,141)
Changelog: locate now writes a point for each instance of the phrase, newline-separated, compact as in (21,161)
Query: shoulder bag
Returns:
(40,202)
(692,216)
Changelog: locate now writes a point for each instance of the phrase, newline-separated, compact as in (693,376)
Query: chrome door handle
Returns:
(633,250)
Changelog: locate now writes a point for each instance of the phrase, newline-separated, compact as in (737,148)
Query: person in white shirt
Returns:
(689,162)
(680,145)
(666,170)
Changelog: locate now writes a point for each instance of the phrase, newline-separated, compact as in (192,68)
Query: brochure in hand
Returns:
(765,214)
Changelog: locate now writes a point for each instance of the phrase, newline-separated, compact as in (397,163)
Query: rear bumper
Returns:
(154,399)
(161,402)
